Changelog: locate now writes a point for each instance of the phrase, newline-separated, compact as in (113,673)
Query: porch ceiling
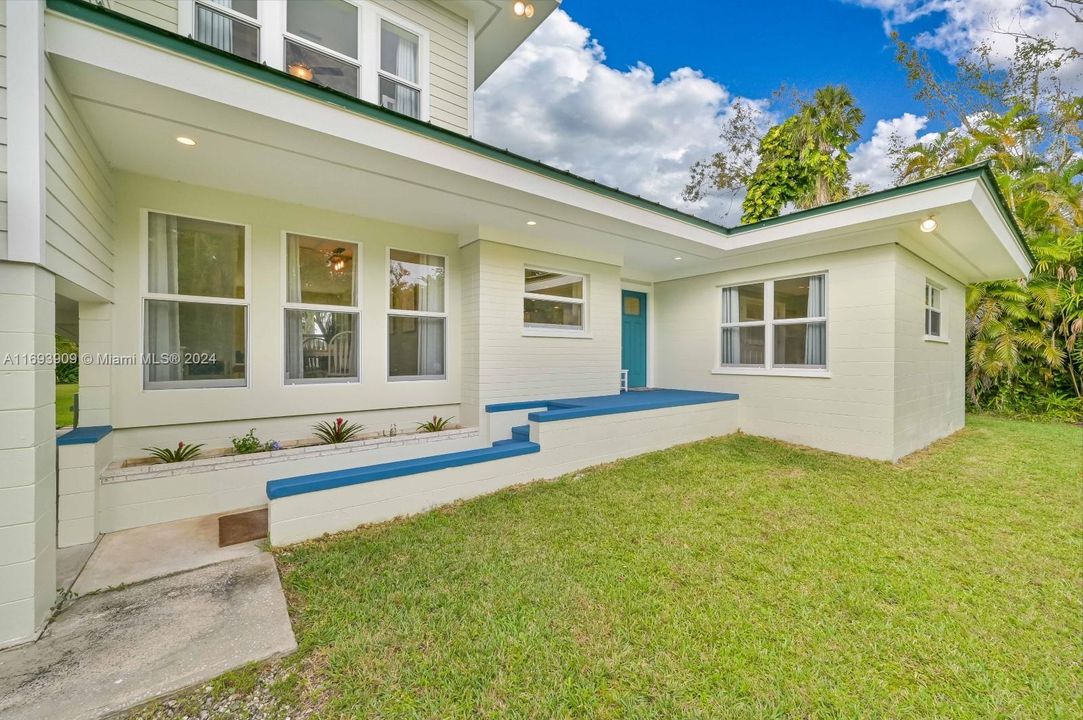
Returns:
(135,124)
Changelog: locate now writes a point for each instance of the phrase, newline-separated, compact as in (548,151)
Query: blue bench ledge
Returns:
(84,435)
(636,401)
(383,471)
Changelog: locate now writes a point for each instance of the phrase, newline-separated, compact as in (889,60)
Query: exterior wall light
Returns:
(928,224)
(523,9)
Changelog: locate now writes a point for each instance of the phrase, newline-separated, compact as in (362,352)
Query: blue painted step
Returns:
(521,432)
(382,471)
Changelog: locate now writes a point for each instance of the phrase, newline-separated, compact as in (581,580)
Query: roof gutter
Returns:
(121,24)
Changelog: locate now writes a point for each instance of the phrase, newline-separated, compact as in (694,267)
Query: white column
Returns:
(95,341)
(27,451)
(26,130)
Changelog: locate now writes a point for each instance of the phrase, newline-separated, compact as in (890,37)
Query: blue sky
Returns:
(752,47)
(631,93)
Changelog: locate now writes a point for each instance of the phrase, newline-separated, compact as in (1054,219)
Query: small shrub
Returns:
(251,444)
(435,425)
(336,432)
(182,453)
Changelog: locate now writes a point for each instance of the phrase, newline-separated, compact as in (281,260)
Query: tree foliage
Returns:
(1025,336)
(801,161)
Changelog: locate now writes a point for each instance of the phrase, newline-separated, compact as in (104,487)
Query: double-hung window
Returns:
(775,324)
(417,317)
(553,301)
(195,306)
(322,319)
(321,43)
(934,328)
(230,25)
(352,46)
(400,72)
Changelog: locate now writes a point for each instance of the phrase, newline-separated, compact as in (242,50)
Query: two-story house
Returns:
(270,213)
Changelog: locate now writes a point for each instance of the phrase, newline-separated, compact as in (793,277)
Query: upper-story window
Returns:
(400,87)
(321,43)
(230,25)
(351,46)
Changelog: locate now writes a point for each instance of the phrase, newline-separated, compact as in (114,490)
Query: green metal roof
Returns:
(136,29)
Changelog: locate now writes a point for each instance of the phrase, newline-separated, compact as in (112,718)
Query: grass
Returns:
(736,577)
(65,394)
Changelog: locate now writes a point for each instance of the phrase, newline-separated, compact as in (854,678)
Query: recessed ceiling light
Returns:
(928,224)
(531,222)
(678,258)
(186,141)
(523,9)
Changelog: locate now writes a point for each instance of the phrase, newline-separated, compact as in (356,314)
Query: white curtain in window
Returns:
(816,333)
(215,29)
(163,318)
(731,338)
(407,99)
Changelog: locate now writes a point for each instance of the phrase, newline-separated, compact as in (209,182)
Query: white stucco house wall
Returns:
(267,214)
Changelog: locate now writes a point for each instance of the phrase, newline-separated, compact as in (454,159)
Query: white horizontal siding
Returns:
(3,131)
(162,13)
(79,196)
(448,86)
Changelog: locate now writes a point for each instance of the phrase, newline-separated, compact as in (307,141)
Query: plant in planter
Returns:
(435,425)
(336,432)
(182,453)
(251,444)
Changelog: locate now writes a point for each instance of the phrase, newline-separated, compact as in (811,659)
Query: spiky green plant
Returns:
(339,431)
(182,453)
(435,425)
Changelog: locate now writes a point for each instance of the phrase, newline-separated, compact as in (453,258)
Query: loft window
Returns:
(400,88)
(321,43)
(230,25)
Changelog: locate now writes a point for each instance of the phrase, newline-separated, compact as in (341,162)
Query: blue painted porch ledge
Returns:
(84,435)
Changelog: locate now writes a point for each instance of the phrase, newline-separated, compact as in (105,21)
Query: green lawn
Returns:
(64,395)
(737,578)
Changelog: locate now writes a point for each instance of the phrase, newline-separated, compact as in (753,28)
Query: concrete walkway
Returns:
(113,650)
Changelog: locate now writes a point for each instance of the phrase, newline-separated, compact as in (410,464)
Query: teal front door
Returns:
(633,351)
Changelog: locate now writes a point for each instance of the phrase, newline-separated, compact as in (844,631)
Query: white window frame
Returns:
(557,330)
(769,323)
(379,16)
(186,19)
(938,308)
(271,21)
(145,294)
(354,309)
(395,312)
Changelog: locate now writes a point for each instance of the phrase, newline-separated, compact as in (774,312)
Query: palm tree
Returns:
(825,127)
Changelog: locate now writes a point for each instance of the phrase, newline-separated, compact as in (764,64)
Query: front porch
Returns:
(529,440)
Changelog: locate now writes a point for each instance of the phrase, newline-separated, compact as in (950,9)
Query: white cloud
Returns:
(967,23)
(871,162)
(556,100)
